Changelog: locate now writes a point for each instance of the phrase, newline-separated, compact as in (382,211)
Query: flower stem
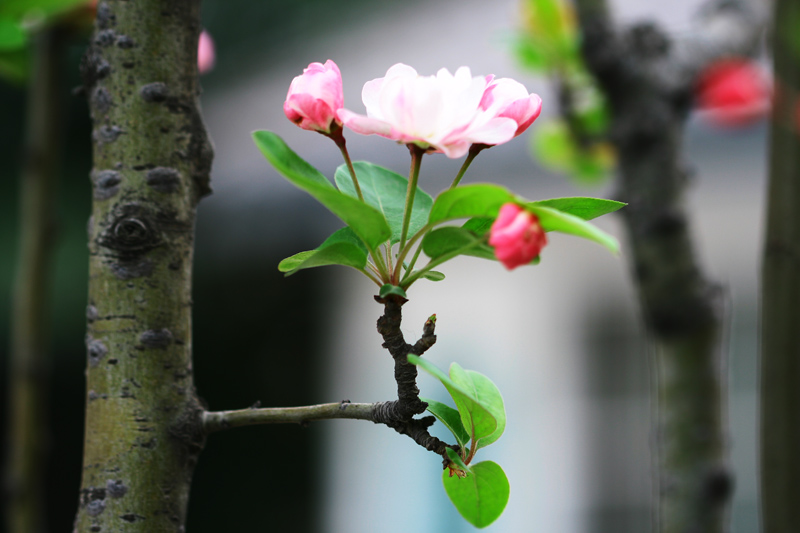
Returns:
(413,177)
(401,255)
(413,262)
(380,266)
(338,138)
(370,275)
(441,259)
(474,150)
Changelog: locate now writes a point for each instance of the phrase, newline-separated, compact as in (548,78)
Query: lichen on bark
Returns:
(152,159)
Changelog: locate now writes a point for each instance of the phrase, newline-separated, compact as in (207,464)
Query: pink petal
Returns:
(206,56)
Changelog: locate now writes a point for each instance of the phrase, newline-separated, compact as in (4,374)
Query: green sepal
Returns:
(450,418)
(365,221)
(386,191)
(342,248)
(480,496)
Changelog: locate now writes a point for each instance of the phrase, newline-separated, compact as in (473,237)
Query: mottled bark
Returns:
(30,329)
(648,80)
(780,296)
(151,166)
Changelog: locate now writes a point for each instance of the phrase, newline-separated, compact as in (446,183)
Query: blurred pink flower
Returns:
(314,98)
(437,113)
(733,93)
(509,98)
(516,236)
(205,53)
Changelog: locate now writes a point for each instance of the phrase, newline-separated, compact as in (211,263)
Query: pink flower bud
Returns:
(438,113)
(733,93)
(516,236)
(315,96)
(205,53)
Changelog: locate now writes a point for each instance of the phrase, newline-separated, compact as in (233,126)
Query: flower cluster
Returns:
(447,113)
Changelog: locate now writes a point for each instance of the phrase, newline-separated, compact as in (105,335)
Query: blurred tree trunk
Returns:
(648,79)
(152,160)
(29,364)
(780,296)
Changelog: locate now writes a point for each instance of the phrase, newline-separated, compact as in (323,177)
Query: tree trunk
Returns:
(152,159)
(648,83)
(780,290)
(29,364)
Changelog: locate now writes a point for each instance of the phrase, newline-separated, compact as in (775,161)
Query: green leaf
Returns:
(388,289)
(467,201)
(386,191)
(433,275)
(342,248)
(21,8)
(478,225)
(15,65)
(486,393)
(449,239)
(450,418)
(555,220)
(478,421)
(365,221)
(582,207)
(12,36)
(481,496)
(555,147)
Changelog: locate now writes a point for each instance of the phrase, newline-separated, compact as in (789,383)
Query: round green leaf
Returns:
(477,420)
(481,496)
(486,394)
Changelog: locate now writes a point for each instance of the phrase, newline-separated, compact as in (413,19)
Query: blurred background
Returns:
(562,340)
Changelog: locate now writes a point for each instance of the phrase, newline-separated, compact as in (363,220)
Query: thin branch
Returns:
(219,420)
(397,414)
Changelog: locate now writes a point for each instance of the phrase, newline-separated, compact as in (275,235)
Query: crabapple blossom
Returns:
(517,236)
(437,113)
(314,97)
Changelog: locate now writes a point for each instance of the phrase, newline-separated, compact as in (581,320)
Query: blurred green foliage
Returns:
(576,144)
